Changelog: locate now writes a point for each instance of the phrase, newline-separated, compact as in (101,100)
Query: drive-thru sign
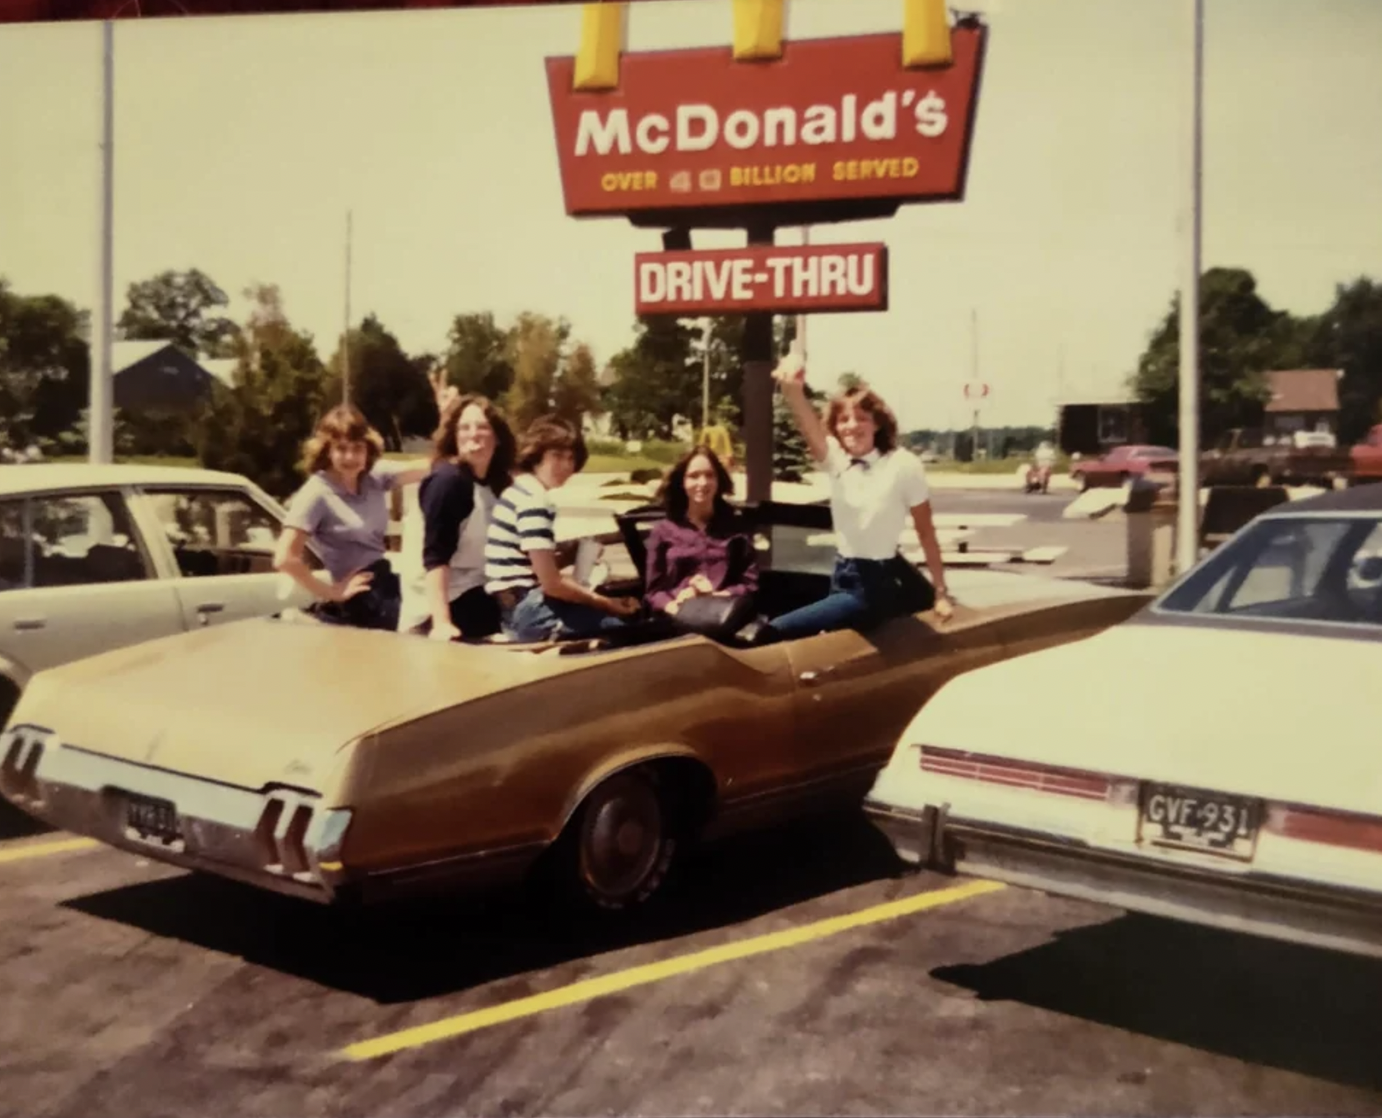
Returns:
(766,134)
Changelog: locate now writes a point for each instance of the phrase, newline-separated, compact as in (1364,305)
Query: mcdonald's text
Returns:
(833,122)
(778,279)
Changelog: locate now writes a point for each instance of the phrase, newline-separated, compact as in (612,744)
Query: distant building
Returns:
(158,376)
(1092,427)
(1302,400)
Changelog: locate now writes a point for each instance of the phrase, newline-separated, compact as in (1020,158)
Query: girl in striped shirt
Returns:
(536,601)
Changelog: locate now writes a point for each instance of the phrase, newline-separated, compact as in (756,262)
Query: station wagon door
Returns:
(76,579)
(221,541)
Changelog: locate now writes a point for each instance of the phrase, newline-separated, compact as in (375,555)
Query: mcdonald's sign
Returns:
(814,130)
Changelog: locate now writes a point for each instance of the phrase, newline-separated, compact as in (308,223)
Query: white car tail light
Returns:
(1330,828)
(1054,779)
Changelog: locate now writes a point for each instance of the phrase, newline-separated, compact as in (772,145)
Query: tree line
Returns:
(1243,337)
(534,364)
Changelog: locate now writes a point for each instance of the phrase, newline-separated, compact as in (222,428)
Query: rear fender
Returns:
(624,760)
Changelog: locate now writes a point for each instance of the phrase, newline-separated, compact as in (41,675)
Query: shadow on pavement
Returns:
(1300,1009)
(426,949)
(17,824)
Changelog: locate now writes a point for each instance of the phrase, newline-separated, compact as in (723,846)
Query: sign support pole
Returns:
(100,419)
(1188,511)
(757,355)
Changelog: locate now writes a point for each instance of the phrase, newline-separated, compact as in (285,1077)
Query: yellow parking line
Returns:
(43,849)
(657,972)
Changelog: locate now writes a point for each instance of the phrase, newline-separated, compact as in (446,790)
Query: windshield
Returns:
(1291,569)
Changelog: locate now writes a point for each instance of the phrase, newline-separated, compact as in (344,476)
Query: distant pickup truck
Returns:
(1246,456)
(1367,457)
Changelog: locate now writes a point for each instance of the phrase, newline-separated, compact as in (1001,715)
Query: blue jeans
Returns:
(538,617)
(863,592)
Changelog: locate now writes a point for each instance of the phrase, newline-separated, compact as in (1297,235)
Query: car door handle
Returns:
(29,624)
(813,677)
(206,609)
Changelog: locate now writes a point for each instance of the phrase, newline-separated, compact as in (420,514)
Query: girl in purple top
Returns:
(699,548)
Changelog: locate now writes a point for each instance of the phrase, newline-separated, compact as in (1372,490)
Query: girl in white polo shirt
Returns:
(874,489)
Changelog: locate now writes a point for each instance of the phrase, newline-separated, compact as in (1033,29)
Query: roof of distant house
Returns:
(124,355)
(1303,390)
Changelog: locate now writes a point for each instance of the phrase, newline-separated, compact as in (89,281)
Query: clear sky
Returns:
(242,141)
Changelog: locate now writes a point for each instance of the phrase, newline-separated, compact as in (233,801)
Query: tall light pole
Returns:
(1188,525)
(345,337)
(101,404)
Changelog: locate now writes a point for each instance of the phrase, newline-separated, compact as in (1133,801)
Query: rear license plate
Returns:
(1194,819)
(152,819)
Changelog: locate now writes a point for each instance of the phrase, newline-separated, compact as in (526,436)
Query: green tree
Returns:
(45,371)
(535,351)
(850,381)
(1348,336)
(577,390)
(656,379)
(1241,339)
(182,308)
(385,383)
(258,426)
(479,356)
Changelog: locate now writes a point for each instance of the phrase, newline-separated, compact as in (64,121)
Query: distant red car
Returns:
(1121,464)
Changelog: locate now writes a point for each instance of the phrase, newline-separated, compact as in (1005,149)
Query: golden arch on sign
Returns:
(757,36)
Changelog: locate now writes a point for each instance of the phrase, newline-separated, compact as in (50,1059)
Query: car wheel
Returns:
(621,843)
(1262,479)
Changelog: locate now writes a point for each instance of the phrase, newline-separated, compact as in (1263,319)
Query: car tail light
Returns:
(1330,828)
(1055,779)
(19,766)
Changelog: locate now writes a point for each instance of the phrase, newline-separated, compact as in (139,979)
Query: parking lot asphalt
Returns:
(793,972)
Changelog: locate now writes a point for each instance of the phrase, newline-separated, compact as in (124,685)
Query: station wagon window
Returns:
(216,531)
(71,539)
(1289,568)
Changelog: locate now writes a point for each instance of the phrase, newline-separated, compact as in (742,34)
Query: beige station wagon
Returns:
(95,558)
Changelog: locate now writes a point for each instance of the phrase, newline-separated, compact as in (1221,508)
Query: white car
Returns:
(98,557)
(1213,759)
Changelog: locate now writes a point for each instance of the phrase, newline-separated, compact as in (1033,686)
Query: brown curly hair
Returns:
(870,402)
(444,446)
(344,423)
(550,432)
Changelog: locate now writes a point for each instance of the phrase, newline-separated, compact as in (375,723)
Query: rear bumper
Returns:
(280,840)
(1276,908)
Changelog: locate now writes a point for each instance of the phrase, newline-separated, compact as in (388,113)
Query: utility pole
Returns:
(101,403)
(705,377)
(974,378)
(1188,526)
(345,338)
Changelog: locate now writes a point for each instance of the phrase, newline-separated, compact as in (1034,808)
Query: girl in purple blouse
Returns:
(699,548)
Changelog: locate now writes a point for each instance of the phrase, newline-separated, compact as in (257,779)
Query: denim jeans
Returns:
(538,617)
(863,592)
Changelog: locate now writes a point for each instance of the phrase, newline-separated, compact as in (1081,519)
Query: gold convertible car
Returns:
(340,764)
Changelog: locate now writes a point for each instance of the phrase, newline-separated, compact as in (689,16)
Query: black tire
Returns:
(619,847)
